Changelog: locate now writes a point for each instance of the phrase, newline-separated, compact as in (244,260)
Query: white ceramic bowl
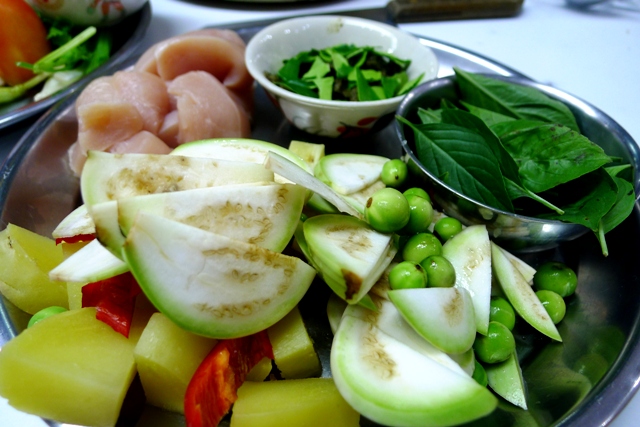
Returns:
(88,12)
(267,49)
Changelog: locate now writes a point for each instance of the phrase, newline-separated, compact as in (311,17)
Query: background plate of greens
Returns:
(125,38)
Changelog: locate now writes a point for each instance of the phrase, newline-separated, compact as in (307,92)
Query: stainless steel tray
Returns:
(37,190)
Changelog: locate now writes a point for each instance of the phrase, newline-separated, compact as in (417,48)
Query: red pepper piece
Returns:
(213,388)
(114,299)
(75,239)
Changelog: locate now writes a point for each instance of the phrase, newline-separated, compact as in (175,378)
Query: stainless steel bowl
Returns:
(513,231)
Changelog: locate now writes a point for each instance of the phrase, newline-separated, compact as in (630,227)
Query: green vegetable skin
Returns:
(77,51)
(345,73)
(502,142)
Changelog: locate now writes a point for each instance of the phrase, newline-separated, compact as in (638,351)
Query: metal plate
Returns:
(127,36)
(586,380)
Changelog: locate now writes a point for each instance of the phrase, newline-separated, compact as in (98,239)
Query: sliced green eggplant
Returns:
(349,173)
(470,254)
(521,295)
(442,316)
(505,378)
(89,264)
(525,269)
(108,176)
(108,232)
(239,149)
(349,254)
(264,215)
(388,319)
(391,383)
(77,223)
(209,284)
(285,168)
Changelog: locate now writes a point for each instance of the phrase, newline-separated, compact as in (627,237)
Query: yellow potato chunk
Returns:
(25,261)
(167,357)
(310,402)
(261,371)
(293,349)
(69,367)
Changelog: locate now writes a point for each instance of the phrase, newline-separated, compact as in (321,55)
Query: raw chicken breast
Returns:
(142,142)
(115,108)
(218,52)
(206,109)
(148,93)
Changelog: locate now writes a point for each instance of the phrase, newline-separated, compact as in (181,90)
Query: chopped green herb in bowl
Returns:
(337,76)
(346,72)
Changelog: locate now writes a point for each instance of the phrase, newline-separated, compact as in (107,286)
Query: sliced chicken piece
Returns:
(206,109)
(142,142)
(77,158)
(170,128)
(100,125)
(218,52)
(148,93)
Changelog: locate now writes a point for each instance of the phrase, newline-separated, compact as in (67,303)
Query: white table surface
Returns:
(593,54)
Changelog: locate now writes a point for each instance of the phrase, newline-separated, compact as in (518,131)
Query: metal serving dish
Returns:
(517,232)
(584,381)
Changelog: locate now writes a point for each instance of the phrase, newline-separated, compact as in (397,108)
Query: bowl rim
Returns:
(625,138)
(258,75)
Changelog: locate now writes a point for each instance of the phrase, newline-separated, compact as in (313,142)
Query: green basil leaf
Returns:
(463,160)
(300,87)
(513,100)
(429,116)
(487,116)
(547,154)
(290,70)
(409,84)
(591,197)
(623,206)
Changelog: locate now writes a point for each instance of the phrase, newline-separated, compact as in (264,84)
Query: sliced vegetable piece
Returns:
(348,251)
(521,295)
(209,284)
(442,316)
(293,350)
(167,356)
(505,378)
(388,319)
(264,215)
(294,173)
(311,402)
(213,388)
(75,227)
(114,299)
(392,384)
(27,259)
(70,358)
(108,176)
(349,173)
(92,263)
(239,149)
(470,254)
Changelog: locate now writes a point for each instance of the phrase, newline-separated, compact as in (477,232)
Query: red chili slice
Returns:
(213,388)
(114,299)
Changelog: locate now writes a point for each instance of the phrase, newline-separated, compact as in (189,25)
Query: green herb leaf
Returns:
(548,155)
(365,93)
(512,100)
(429,116)
(489,117)
(463,160)
(318,69)
(325,87)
